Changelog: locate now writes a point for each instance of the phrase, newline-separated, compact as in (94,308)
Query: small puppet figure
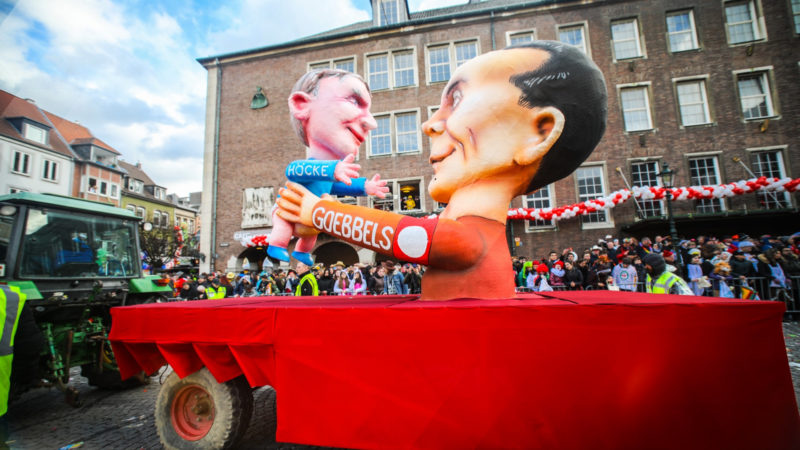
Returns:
(510,122)
(330,113)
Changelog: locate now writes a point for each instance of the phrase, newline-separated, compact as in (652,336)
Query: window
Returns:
(397,132)
(165,219)
(13,190)
(770,164)
(405,196)
(625,39)
(34,133)
(644,174)
(591,186)
(693,102)
(393,69)
(574,35)
(742,22)
(755,95)
(140,211)
(636,108)
(21,163)
(156,219)
(520,37)
(114,190)
(131,208)
(92,183)
(539,199)
(704,171)
(103,188)
(387,12)
(442,57)
(50,170)
(796,15)
(681,32)
(348,64)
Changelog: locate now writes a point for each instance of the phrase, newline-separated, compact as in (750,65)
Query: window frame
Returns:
(584,26)
(638,39)
(703,80)
(393,133)
(781,151)
(45,133)
(693,30)
(511,33)
(396,197)
(765,73)
(451,52)
(331,62)
(609,218)
(717,170)
(658,181)
(26,160)
(757,19)
(795,15)
(643,86)
(391,70)
(381,22)
(50,170)
(529,202)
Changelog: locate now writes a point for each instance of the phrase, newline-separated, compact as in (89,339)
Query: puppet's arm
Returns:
(305,170)
(406,238)
(362,186)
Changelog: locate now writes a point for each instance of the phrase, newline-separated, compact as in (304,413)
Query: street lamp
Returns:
(667,176)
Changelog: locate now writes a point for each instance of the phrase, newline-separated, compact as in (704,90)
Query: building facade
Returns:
(710,88)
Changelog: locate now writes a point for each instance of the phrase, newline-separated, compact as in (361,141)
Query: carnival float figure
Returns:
(330,113)
(510,122)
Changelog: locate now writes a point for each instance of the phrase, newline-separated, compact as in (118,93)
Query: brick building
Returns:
(709,87)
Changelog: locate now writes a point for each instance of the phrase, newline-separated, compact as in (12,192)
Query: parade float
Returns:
(469,362)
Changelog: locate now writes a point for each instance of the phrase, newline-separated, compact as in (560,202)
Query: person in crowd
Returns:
(342,284)
(248,290)
(589,274)
(661,281)
(378,286)
(325,282)
(641,272)
(694,273)
(413,279)
(721,279)
(537,280)
(769,268)
(395,284)
(573,277)
(188,291)
(625,275)
(358,286)
(307,282)
(291,281)
(266,285)
(790,263)
(557,274)
(552,257)
(227,282)
(602,268)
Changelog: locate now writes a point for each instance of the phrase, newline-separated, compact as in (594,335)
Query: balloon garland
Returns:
(763,184)
(742,187)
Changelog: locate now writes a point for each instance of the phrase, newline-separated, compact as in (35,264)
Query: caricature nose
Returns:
(433,126)
(369,122)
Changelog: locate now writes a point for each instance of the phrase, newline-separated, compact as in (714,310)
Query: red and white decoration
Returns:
(657,193)
(621,196)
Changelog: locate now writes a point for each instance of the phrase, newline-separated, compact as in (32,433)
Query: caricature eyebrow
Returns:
(358,95)
(453,85)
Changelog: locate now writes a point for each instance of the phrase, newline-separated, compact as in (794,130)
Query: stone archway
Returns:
(254,255)
(331,252)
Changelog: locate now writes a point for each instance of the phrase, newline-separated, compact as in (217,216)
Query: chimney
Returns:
(138,165)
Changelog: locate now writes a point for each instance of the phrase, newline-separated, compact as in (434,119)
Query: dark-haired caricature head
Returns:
(514,120)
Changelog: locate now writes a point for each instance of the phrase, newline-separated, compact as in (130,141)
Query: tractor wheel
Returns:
(199,412)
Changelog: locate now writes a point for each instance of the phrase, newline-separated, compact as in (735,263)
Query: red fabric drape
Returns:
(561,370)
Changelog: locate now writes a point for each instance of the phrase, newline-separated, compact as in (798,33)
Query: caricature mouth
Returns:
(437,159)
(359,137)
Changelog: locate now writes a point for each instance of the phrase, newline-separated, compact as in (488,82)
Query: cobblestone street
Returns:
(124,419)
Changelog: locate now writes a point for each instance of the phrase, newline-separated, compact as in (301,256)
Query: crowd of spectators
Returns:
(731,266)
(386,278)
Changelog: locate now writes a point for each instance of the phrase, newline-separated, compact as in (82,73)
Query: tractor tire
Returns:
(197,412)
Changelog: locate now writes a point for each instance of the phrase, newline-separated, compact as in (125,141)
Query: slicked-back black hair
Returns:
(572,83)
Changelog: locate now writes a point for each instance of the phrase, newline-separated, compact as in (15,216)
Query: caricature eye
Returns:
(457,96)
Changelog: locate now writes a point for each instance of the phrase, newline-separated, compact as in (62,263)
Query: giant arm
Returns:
(442,243)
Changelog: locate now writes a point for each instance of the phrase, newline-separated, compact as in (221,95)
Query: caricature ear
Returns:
(299,103)
(546,126)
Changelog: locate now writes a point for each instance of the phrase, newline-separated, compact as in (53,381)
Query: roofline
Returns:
(216,60)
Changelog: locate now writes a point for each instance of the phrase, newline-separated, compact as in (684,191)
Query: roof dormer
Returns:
(389,12)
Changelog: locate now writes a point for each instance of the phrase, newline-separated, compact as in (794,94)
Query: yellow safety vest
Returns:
(220,293)
(664,283)
(310,278)
(11,302)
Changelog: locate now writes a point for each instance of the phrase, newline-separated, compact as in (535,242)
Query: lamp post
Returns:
(667,177)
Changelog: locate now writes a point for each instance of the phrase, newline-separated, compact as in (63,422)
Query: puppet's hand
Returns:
(346,169)
(296,204)
(376,187)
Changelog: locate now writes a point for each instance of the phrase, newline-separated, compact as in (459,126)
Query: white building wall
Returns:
(34,180)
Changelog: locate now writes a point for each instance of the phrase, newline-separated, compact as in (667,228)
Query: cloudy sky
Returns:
(127,69)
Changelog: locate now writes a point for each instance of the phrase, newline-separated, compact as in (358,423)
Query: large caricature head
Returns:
(526,115)
(330,112)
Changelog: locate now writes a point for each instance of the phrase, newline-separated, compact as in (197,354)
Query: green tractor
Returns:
(74,260)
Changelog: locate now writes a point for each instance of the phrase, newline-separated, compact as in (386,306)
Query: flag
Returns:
(749,293)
